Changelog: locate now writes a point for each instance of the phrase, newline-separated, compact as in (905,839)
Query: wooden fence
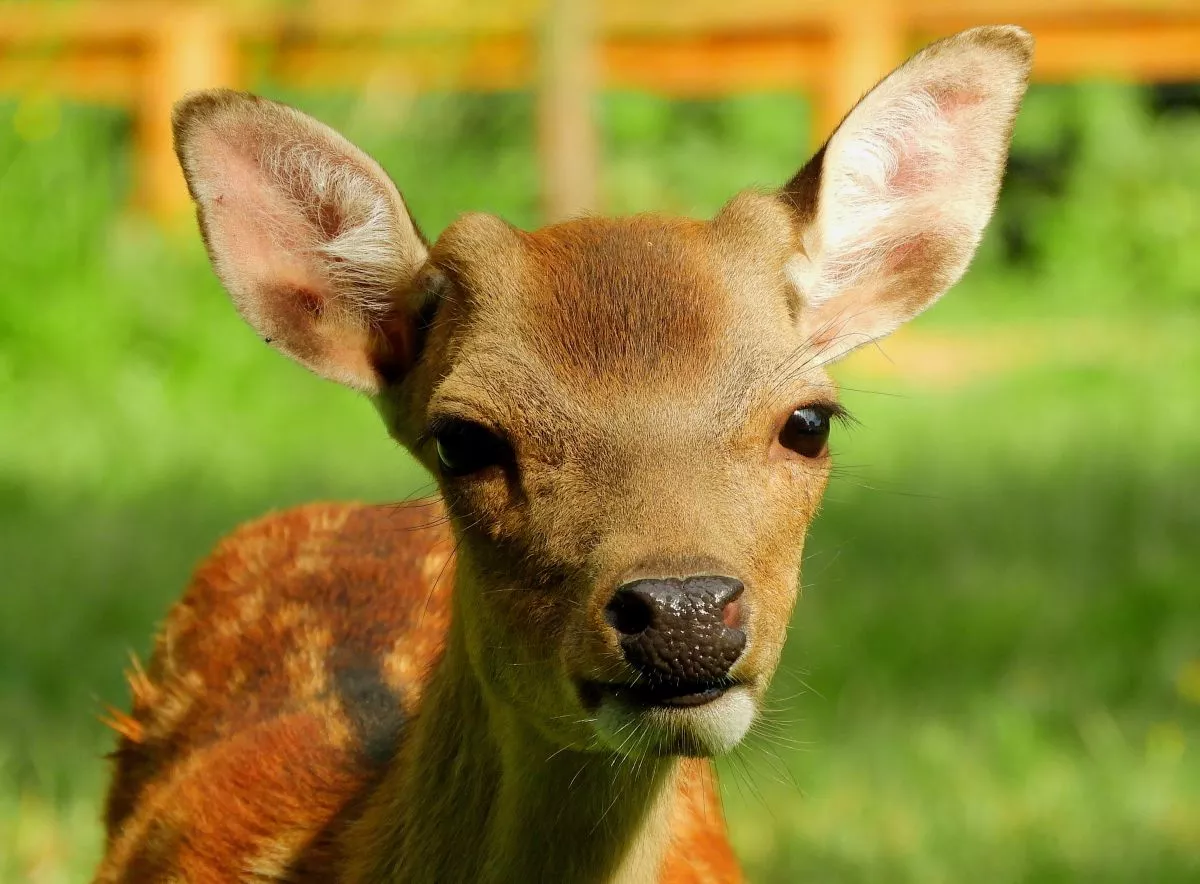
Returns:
(143,55)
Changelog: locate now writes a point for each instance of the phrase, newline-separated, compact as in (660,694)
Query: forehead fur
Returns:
(623,300)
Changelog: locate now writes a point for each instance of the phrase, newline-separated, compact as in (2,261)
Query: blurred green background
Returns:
(994,672)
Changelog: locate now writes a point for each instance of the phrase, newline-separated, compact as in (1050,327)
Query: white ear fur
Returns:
(905,187)
(307,233)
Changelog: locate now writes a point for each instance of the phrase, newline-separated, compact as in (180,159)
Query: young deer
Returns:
(628,422)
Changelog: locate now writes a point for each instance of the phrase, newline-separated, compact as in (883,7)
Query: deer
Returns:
(528,677)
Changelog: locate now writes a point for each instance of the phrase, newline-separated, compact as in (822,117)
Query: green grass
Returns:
(994,672)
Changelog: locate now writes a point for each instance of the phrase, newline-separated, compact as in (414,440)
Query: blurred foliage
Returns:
(996,663)
(1105,200)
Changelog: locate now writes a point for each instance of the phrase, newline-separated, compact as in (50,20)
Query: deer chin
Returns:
(699,727)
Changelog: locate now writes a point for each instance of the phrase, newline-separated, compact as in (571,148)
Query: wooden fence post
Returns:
(566,124)
(867,40)
(190,49)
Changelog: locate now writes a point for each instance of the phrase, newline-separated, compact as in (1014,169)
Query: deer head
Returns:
(627,418)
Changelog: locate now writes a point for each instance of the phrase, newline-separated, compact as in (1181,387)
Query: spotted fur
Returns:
(280,689)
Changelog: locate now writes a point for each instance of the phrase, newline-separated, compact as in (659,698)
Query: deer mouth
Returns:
(673,719)
(668,695)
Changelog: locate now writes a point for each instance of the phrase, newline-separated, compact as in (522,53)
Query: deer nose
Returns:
(679,630)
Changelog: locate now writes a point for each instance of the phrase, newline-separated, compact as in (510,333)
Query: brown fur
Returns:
(269,657)
(357,610)
(337,697)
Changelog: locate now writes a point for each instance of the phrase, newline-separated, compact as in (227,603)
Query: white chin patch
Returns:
(697,731)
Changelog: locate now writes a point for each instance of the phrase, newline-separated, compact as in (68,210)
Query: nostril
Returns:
(629,613)
(731,614)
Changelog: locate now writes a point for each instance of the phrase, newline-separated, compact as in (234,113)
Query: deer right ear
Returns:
(890,211)
(306,232)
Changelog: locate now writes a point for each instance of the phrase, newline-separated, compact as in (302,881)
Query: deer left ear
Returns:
(891,209)
(308,234)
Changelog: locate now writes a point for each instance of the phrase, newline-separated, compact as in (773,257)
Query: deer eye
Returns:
(806,431)
(465,447)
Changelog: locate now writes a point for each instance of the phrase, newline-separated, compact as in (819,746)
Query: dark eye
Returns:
(806,431)
(465,447)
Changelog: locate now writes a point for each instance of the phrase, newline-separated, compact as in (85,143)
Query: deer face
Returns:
(627,418)
(610,407)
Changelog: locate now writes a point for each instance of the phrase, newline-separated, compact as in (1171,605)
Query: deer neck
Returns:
(478,794)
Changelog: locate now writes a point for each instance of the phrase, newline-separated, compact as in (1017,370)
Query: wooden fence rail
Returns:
(144,54)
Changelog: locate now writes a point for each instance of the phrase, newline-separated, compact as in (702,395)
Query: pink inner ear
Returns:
(259,237)
(950,102)
(914,173)
(307,233)
(907,184)
(898,189)
(927,154)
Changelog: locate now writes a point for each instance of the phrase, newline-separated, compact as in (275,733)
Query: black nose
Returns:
(680,631)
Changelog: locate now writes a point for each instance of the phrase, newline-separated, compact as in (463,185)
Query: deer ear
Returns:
(891,209)
(307,233)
